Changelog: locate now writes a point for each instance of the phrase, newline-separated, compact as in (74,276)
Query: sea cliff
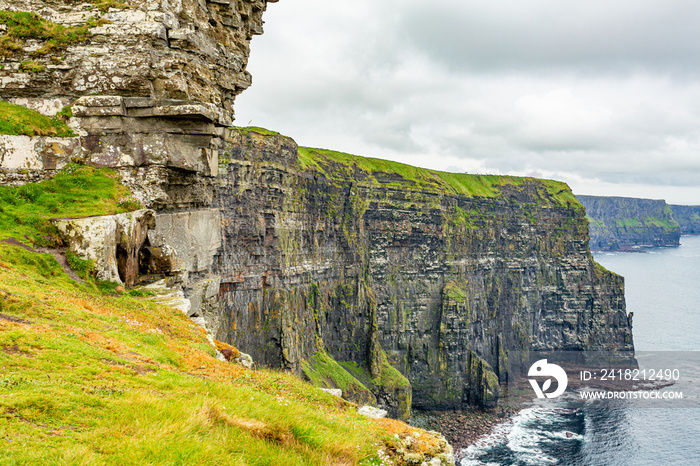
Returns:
(623,222)
(402,286)
(688,217)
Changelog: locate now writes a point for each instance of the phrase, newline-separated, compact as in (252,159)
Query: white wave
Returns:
(522,436)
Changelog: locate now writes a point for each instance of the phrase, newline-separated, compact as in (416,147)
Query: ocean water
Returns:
(662,288)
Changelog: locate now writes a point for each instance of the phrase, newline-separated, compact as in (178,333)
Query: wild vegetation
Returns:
(76,191)
(22,25)
(342,166)
(18,120)
(339,165)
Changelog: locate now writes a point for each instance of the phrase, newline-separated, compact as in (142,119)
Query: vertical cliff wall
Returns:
(688,217)
(623,222)
(439,272)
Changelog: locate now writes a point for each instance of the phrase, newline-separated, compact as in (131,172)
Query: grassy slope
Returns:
(76,191)
(92,378)
(18,120)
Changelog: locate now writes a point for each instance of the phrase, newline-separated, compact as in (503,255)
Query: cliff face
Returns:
(622,222)
(442,273)
(403,286)
(688,217)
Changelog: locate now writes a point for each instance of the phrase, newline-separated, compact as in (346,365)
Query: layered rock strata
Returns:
(321,253)
(688,217)
(623,223)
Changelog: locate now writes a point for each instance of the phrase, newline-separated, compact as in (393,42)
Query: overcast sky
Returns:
(603,95)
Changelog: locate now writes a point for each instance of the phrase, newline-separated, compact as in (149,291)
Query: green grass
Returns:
(76,191)
(31,66)
(22,25)
(342,166)
(18,120)
(255,129)
(89,379)
(371,171)
(388,376)
(665,223)
(454,291)
(628,222)
(103,5)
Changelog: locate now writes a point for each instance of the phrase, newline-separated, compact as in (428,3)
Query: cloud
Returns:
(604,92)
(594,36)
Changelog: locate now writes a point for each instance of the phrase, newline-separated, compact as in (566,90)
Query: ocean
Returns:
(662,288)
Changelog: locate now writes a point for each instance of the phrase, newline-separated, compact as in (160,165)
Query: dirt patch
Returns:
(14,242)
(60,256)
(15,350)
(16,320)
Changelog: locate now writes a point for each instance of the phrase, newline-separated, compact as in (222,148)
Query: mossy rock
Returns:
(324,372)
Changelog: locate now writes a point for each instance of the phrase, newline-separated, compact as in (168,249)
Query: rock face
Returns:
(623,222)
(194,50)
(688,217)
(405,285)
(112,242)
(366,264)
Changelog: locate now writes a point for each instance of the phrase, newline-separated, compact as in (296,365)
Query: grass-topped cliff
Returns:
(88,377)
(372,171)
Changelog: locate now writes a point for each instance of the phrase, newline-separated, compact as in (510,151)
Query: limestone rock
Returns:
(188,241)
(364,261)
(37,153)
(333,391)
(185,49)
(372,412)
(245,360)
(113,242)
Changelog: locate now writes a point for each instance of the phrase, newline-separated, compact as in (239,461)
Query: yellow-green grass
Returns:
(342,166)
(245,130)
(18,120)
(323,371)
(76,191)
(90,379)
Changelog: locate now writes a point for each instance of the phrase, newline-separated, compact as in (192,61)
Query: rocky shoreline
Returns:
(462,428)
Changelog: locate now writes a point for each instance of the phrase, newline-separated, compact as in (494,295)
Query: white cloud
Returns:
(601,95)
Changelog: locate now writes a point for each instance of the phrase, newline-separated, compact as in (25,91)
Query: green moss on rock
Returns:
(324,372)
(22,26)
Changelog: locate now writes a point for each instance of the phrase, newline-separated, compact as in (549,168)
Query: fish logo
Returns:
(543,369)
